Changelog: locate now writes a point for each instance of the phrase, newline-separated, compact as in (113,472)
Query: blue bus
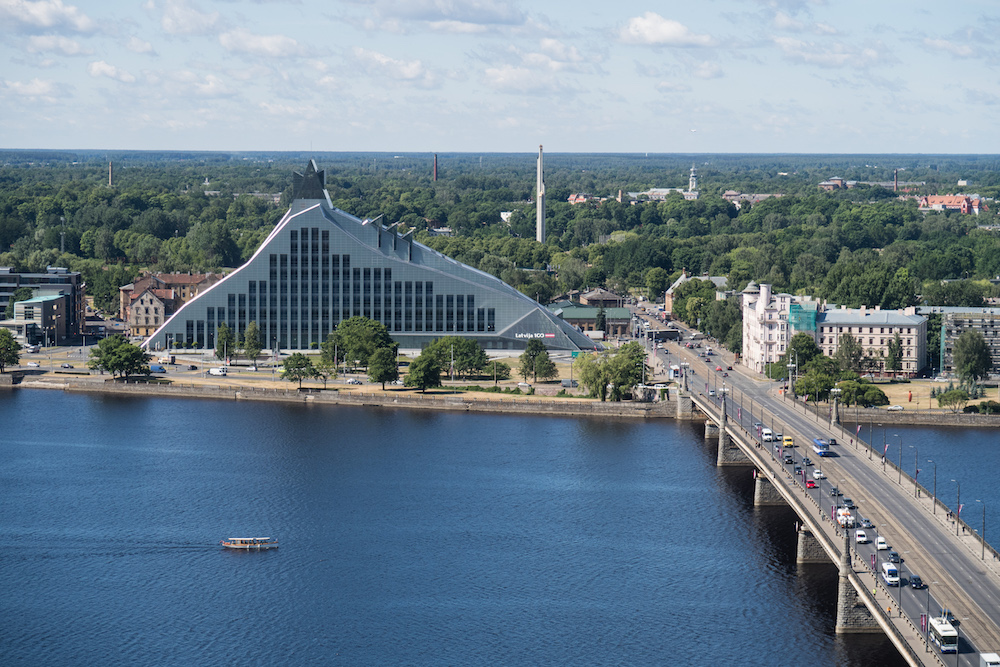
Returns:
(821,447)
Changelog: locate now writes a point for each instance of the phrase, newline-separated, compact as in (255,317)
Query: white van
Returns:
(216,371)
(767,435)
(880,544)
(890,574)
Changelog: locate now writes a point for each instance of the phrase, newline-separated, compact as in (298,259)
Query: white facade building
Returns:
(766,328)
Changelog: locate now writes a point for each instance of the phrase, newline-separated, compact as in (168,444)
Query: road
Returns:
(956,577)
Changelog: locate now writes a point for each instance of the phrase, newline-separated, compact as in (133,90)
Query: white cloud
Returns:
(958,50)
(448,15)
(707,70)
(179,18)
(63,45)
(653,29)
(293,111)
(34,89)
(101,68)
(559,51)
(513,79)
(835,55)
(672,87)
(45,15)
(783,21)
(136,45)
(186,82)
(270,46)
(412,71)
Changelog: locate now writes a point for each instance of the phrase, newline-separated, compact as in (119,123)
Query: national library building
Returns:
(320,266)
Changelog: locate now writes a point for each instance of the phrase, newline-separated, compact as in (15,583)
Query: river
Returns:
(407,538)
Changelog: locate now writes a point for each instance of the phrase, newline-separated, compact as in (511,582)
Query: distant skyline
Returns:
(714,76)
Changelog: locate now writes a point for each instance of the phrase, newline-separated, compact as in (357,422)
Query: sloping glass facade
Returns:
(320,266)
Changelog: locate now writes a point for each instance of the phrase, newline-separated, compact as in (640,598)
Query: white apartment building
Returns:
(766,327)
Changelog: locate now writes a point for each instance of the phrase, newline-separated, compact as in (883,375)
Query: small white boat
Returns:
(249,543)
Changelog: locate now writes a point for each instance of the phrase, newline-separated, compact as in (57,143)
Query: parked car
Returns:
(861,537)
(880,544)
(397,382)
(894,408)
(32,364)
(916,582)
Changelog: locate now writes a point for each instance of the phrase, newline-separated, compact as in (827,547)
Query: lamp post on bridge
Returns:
(899,465)
(982,533)
(835,415)
(934,492)
(791,380)
(916,471)
(958,504)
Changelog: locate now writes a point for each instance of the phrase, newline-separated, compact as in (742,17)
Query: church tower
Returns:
(693,180)
(540,202)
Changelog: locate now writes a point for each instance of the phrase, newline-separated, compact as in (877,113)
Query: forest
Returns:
(191,211)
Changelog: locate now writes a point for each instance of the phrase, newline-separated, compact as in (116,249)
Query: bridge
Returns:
(961,571)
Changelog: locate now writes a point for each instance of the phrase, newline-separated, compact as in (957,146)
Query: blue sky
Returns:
(804,76)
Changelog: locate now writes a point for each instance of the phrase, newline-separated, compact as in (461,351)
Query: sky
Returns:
(702,76)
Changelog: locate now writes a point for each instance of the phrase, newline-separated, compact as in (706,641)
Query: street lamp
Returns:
(934,492)
(900,464)
(916,471)
(791,369)
(958,504)
(982,533)
(835,415)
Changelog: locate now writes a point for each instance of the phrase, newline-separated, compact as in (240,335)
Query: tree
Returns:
(10,350)
(252,342)
(527,359)
(20,294)
(297,367)
(954,399)
(657,282)
(545,368)
(382,366)
(894,359)
(358,337)
(814,384)
(225,342)
(849,353)
(325,370)
(972,356)
(594,374)
(117,356)
(468,357)
(499,370)
(424,372)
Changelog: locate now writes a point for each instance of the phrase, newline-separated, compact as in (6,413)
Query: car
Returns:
(67,365)
(916,581)
(797,470)
(718,368)
(880,544)
(806,461)
(818,474)
(810,484)
(711,392)
(658,385)
(32,364)
(835,491)
(353,381)
(893,557)
(894,408)
(397,382)
(833,442)
(848,503)
(787,458)
(861,537)
(251,368)
(866,523)
(192,367)
(729,368)
(725,375)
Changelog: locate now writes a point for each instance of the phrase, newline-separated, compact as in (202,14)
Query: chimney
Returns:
(540,202)
(895,180)
(435,166)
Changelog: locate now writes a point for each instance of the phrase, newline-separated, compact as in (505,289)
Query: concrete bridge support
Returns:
(730,453)
(685,406)
(853,616)
(809,549)
(711,430)
(764,492)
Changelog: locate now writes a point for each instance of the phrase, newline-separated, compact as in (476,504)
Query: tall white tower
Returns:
(540,202)
(693,180)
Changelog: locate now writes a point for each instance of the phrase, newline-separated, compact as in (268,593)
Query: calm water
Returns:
(407,538)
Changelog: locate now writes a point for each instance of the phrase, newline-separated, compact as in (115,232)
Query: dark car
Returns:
(834,491)
(67,365)
(729,368)
(192,367)
(915,581)
(894,557)
(849,504)
(797,470)
(806,461)
(788,458)
(833,441)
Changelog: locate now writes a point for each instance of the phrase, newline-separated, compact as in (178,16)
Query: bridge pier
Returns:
(853,615)
(685,406)
(765,494)
(809,549)
(730,453)
(711,430)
